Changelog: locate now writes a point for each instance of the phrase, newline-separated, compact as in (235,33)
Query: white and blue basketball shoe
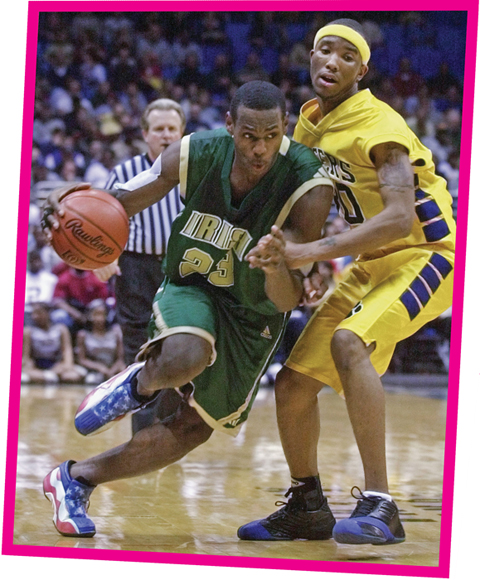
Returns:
(70,499)
(109,402)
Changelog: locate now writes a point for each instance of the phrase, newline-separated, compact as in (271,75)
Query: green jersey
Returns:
(211,236)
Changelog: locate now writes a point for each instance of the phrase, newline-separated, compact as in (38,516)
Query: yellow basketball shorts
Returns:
(382,301)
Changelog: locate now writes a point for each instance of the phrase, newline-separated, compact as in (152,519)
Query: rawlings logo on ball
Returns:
(96,242)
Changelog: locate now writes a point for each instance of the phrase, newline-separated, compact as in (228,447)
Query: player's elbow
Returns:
(399,223)
(404,223)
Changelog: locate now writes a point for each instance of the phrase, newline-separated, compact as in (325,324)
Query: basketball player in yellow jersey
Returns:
(403,233)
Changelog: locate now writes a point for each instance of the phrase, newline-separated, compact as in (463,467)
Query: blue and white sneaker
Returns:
(70,499)
(109,402)
(375,520)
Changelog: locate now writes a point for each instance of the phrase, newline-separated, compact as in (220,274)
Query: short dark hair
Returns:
(354,25)
(259,96)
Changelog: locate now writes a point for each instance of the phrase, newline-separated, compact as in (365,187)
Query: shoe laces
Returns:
(365,504)
(297,500)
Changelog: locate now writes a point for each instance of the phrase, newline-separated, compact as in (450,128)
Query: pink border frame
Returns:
(440,571)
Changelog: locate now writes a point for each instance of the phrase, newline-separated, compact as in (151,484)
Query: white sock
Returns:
(378,494)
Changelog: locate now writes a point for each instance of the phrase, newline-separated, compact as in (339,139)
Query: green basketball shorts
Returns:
(243,345)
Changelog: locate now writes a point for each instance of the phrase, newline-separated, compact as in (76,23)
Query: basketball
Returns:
(93,230)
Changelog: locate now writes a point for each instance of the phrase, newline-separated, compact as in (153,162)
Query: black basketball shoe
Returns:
(295,521)
(375,520)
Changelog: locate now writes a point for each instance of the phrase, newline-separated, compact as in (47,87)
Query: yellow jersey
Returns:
(343,139)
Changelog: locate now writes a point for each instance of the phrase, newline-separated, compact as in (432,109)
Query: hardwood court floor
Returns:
(196,505)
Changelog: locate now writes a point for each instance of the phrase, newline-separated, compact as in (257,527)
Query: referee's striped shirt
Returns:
(149,229)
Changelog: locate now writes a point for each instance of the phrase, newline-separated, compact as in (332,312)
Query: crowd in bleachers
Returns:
(97,71)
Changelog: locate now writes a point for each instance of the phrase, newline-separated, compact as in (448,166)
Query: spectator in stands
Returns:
(99,345)
(195,122)
(452,99)
(285,77)
(182,45)
(103,99)
(97,171)
(407,82)
(299,59)
(69,99)
(58,58)
(68,171)
(154,40)
(151,76)
(47,350)
(75,289)
(213,33)
(49,258)
(122,68)
(449,169)
(53,151)
(219,81)
(86,28)
(44,121)
(265,32)
(92,71)
(190,73)
(133,100)
(117,25)
(39,285)
(51,25)
(211,115)
(420,106)
(252,71)
(441,82)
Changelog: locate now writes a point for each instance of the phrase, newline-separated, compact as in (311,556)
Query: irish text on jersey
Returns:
(217,232)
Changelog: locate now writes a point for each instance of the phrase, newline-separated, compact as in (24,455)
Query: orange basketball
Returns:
(93,230)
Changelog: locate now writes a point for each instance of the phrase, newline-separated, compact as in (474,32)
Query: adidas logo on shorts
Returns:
(266,333)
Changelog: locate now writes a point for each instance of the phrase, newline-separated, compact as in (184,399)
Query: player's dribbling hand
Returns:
(51,206)
(269,253)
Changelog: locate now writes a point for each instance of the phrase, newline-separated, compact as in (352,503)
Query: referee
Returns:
(139,268)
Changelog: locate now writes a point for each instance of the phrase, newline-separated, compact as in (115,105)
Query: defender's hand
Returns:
(269,253)
(314,287)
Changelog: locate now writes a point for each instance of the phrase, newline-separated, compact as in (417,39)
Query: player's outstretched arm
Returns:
(134,200)
(395,221)
(162,177)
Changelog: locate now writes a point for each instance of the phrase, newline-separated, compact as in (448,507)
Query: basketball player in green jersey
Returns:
(216,322)
(403,233)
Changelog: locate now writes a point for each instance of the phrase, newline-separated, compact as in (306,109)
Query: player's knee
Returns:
(188,353)
(177,360)
(293,388)
(283,386)
(348,349)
